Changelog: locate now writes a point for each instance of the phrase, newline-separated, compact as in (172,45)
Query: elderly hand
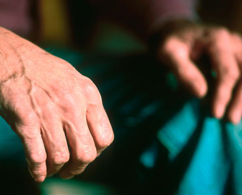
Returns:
(185,43)
(56,111)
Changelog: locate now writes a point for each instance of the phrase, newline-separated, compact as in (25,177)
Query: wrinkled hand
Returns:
(56,111)
(186,44)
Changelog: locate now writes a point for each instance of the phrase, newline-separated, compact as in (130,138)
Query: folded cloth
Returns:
(166,142)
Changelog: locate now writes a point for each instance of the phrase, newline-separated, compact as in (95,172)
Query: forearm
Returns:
(8,56)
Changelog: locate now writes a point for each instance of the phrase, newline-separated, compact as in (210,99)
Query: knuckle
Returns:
(216,35)
(173,48)
(61,158)
(236,36)
(222,32)
(27,122)
(89,88)
(27,133)
(69,101)
(31,116)
(49,106)
(91,92)
(87,156)
(106,139)
(37,159)
(231,73)
(168,45)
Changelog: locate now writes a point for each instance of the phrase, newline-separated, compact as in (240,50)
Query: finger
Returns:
(224,62)
(34,150)
(52,132)
(176,53)
(99,127)
(55,144)
(97,120)
(83,149)
(235,109)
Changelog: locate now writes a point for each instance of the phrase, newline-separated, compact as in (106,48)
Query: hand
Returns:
(180,48)
(52,108)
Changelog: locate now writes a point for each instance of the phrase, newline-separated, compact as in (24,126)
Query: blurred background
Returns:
(87,28)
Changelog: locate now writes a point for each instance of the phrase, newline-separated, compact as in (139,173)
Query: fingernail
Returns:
(40,179)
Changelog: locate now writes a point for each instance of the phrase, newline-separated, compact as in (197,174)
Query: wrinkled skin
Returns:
(56,111)
(183,47)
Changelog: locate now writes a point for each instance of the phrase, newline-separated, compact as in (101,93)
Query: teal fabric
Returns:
(217,151)
(171,142)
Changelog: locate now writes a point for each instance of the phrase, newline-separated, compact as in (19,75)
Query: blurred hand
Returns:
(186,44)
(56,111)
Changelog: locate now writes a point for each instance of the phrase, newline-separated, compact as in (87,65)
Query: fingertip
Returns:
(201,90)
(38,172)
(235,117)
(40,179)
(193,80)
(218,111)
(235,122)
(197,87)
(37,178)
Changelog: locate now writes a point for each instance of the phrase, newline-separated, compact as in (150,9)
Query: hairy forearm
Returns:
(15,53)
